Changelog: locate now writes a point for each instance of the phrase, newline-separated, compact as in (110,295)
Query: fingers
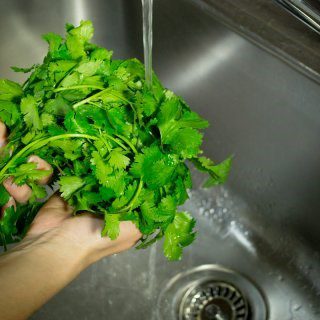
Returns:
(129,234)
(19,193)
(50,216)
(41,165)
(100,247)
(22,193)
(56,206)
(3,134)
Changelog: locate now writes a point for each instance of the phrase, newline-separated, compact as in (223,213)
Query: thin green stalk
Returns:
(128,206)
(133,148)
(97,95)
(96,105)
(39,143)
(68,73)
(132,107)
(94,96)
(115,140)
(81,86)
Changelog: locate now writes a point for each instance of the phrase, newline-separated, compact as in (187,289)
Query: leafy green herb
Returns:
(118,147)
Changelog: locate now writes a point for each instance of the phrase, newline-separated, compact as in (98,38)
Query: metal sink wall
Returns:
(264,223)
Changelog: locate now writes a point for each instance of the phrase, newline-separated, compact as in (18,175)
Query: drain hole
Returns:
(211,292)
(213,301)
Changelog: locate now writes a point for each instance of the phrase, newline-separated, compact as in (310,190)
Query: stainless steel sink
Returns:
(264,225)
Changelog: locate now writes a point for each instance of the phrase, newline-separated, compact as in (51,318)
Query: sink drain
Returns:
(213,301)
(211,292)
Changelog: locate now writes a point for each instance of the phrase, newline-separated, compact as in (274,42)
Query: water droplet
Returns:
(280,278)
(297,307)
(224,210)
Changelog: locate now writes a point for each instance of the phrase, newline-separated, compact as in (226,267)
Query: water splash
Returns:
(152,271)
(147,14)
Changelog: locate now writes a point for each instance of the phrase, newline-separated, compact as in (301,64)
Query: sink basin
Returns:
(264,223)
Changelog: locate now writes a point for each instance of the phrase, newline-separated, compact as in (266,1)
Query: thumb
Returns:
(51,215)
(56,205)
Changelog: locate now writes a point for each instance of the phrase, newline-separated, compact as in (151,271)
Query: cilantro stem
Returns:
(82,86)
(38,144)
(128,206)
(94,96)
(131,106)
(66,74)
(97,95)
(41,142)
(133,148)
(115,140)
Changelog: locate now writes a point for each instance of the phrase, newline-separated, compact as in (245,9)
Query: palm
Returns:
(83,230)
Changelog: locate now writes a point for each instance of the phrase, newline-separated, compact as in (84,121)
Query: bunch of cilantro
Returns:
(118,148)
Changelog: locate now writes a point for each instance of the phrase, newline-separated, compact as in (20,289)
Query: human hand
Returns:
(55,225)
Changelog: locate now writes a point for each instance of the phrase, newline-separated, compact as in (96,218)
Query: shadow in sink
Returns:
(264,224)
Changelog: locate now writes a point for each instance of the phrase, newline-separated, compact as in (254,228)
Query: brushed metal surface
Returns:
(265,222)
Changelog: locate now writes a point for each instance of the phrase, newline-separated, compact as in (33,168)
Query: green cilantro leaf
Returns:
(117,159)
(69,185)
(112,226)
(89,68)
(47,119)
(179,130)
(9,113)
(178,234)
(218,172)
(4,196)
(9,90)
(29,172)
(8,221)
(56,49)
(185,141)
(38,192)
(23,70)
(102,169)
(153,166)
(84,32)
(30,110)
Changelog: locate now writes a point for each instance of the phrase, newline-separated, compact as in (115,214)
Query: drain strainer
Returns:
(211,292)
(213,301)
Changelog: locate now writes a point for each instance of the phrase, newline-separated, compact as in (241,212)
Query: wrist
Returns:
(53,246)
